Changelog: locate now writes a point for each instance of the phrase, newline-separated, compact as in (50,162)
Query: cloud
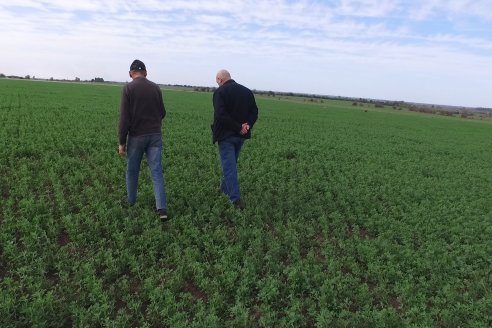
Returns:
(372,37)
(367,8)
(457,9)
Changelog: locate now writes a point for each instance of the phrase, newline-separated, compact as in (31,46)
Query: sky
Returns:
(427,51)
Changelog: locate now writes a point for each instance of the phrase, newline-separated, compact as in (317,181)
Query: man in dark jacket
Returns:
(235,113)
(141,113)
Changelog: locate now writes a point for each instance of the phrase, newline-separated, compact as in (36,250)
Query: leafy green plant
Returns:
(353,218)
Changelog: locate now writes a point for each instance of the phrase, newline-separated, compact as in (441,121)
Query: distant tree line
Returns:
(28,77)
(463,112)
(204,89)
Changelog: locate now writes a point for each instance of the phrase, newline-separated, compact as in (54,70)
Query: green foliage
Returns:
(354,218)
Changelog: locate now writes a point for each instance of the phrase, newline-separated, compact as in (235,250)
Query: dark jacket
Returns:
(234,104)
(142,109)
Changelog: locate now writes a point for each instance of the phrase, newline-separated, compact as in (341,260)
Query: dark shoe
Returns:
(126,204)
(238,204)
(163,215)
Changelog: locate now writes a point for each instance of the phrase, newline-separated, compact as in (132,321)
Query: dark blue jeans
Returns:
(151,145)
(229,150)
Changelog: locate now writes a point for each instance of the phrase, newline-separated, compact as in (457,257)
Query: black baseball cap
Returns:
(137,65)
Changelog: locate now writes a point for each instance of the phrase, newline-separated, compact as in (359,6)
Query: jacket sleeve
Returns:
(124,120)
(253,112)
(161,97)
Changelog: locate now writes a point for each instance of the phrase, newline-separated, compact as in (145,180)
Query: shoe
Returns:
(163,215)
(125,204)
(238,204)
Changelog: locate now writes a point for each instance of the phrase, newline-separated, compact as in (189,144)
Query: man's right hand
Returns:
(244,128)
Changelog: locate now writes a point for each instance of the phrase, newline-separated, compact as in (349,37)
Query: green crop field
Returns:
(354,218)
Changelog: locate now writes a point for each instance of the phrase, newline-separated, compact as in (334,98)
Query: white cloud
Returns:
(456,9)
(188,39)
(367,8)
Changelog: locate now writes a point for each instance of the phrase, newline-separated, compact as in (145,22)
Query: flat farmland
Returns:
(355,217)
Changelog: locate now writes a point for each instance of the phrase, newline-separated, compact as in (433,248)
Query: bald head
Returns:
(222,77)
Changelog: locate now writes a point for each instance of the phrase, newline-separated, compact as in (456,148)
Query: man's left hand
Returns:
(122,150)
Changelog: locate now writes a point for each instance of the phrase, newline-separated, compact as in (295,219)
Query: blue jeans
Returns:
(229,150)
(151,145)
